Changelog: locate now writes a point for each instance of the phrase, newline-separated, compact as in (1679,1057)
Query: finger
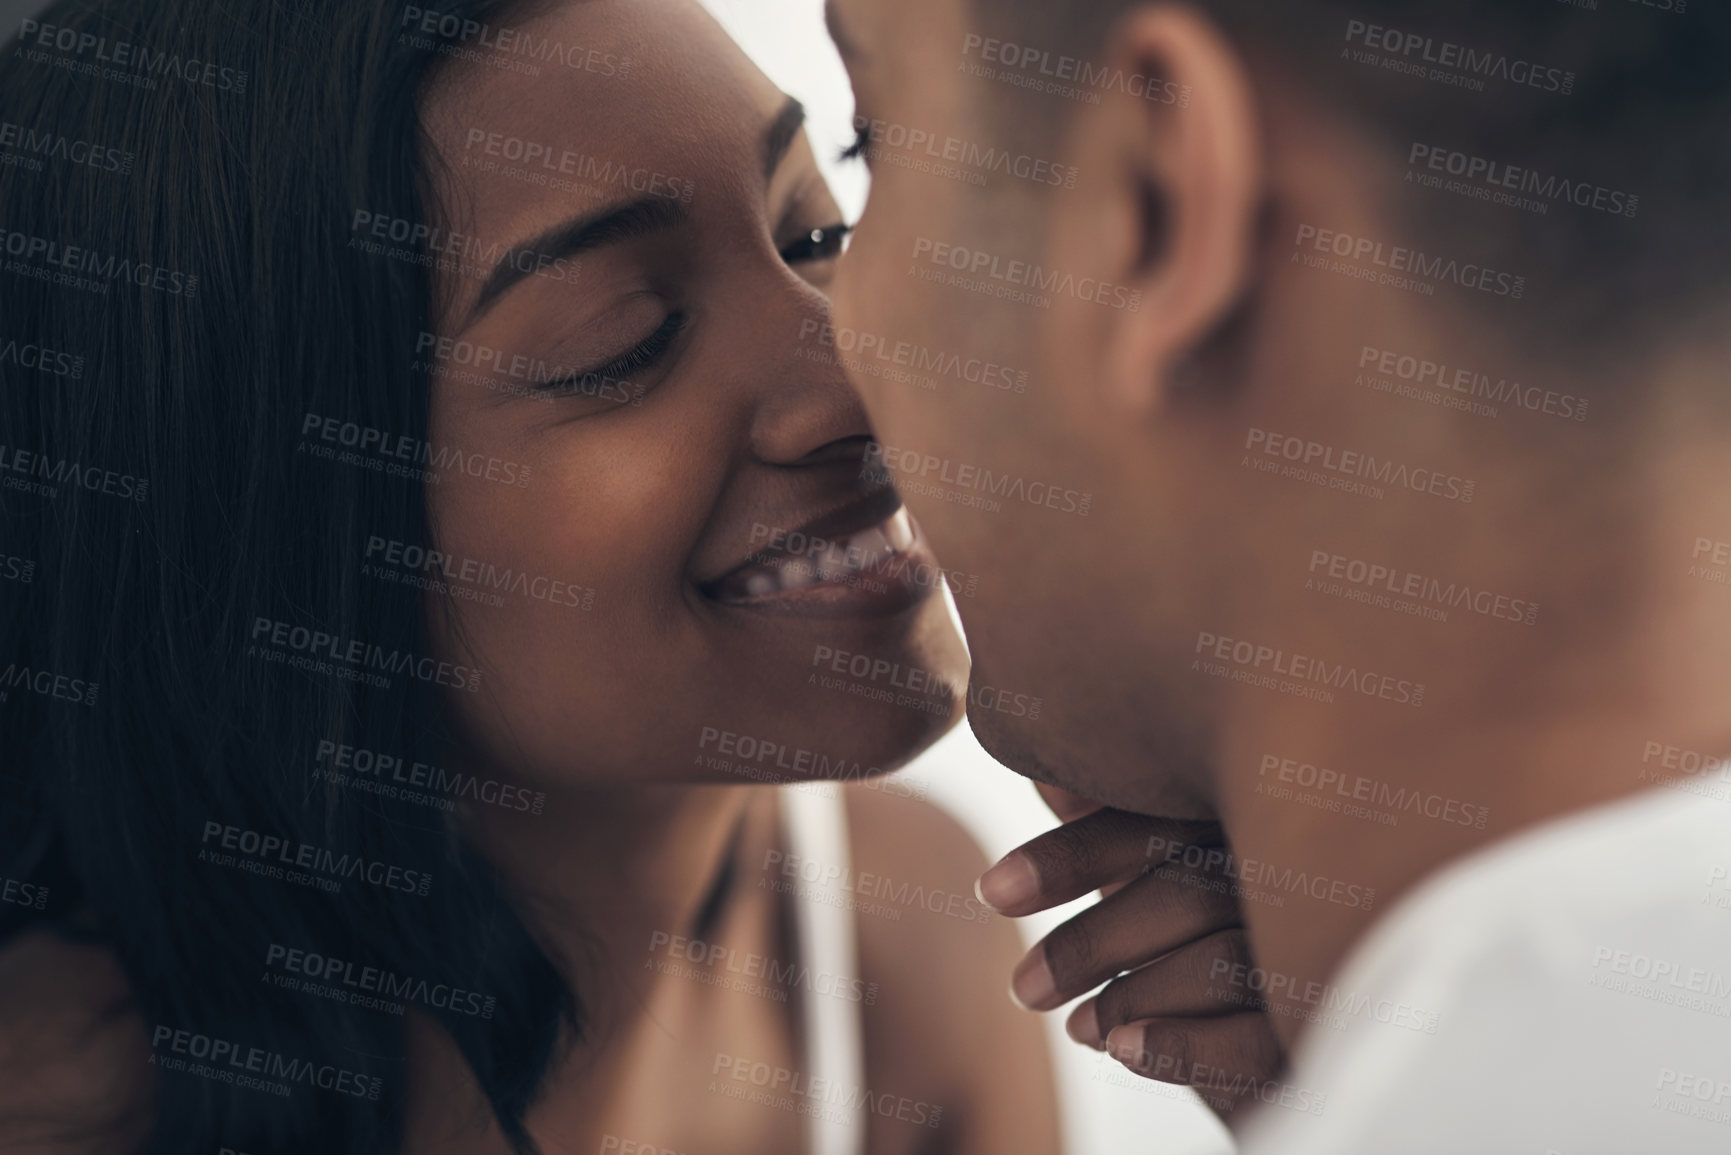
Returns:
(1067,806)
(1096,850)
(1150,917)
(1190,982)
(1229,1056)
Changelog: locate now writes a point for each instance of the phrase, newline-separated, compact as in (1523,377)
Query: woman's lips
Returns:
(882,568)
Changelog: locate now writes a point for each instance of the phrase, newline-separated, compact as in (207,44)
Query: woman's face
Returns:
(631,553)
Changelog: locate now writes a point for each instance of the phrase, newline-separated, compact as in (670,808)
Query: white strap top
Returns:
(814,821)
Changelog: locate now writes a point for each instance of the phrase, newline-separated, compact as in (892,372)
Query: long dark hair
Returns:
(161,503)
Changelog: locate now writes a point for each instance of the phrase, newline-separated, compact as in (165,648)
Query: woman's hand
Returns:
(1164,935)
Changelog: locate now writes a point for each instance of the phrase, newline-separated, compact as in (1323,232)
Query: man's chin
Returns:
(1005,738)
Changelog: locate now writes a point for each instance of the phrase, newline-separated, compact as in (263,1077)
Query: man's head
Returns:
(1270,357)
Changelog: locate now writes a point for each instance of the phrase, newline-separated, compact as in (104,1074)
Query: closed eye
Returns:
(611,381)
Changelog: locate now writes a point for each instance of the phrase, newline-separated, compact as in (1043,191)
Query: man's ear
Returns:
(1184,172)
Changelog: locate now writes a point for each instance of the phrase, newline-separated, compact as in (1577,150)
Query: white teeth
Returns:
(900,531)
(833,563)
(797,575)
(839,561)
(867,548)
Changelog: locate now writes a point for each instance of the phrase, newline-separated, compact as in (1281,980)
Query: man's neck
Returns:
(1335,811)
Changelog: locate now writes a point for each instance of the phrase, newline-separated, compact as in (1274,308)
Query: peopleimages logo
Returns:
(1399,266)
(1016,280)
(507,42)
(74,266)
(717,964)
(764,760)
(796,869)
(1689,771)
(23,893)
(1449,380)
(416,565)
(395,777)
(325,975)
(1067,76)
(1225,656)
(1331,1005)
(773,1086)
(1163,852)
(1386,587)
(1671,980)
(870,352)
(358,655)
(547,162)
(1325,460)
(54,472)
(231,1062)
(531,376)
(977,158)
(1444,60)
(1501,182)
(448,250)
(1718,879)
(882,462)
(379,447)
(1693,1094)
(269,853)
(122,57)
(48,684)
(42,359)
(36,145)
(1349,789)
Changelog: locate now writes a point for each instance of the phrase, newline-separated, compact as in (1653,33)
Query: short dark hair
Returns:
(1610,101)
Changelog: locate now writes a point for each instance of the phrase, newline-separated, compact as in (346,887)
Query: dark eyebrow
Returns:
(846,45)
(778,138)
(625,222)
(609,226)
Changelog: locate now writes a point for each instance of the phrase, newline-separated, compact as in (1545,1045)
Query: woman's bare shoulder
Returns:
(887,820)
(936,963)
(914,871)
(74,1055)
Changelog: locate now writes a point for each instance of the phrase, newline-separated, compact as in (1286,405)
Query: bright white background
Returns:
(1105,1110)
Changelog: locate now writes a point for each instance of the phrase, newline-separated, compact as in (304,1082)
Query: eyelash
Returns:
(646,353)
(862,142)
(814,246)
(818,245)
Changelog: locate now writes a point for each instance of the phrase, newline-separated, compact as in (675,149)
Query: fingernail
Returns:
(1031,985)
(1084,1024)
(1128,1044)
(1011,883)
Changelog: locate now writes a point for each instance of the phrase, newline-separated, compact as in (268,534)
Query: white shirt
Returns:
(1566,991)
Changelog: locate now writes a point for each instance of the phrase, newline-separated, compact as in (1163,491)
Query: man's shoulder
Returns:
(1645,864)
(1546,993)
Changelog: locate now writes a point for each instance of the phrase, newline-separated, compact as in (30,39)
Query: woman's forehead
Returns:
(641,74)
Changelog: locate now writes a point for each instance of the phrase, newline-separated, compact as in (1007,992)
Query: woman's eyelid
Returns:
(644,354)
(623,320)
(609,334)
